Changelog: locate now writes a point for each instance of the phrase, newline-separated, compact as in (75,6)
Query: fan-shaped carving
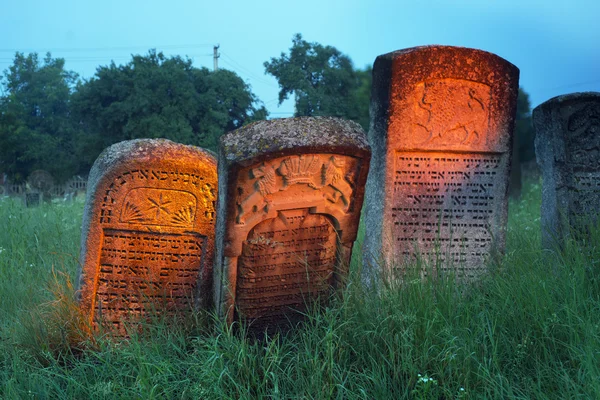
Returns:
(131,213)
(301,169)
(183,217)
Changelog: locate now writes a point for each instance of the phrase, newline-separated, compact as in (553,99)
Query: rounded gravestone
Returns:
(567,147)
(442,122)
(291,192)
(40,180)
(148,233)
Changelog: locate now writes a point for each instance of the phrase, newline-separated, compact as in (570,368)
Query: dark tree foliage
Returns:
(158,97)
(524,131)
(50,120)
(322,80)
(36,128)
(363,95)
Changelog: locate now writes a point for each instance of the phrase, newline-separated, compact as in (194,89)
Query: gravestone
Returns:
(291,192)
(442,120)
(40,181)
(148,232)
(567,148)
(32,198)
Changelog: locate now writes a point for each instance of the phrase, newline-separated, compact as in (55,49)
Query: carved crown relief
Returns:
(327,174)
(451,111)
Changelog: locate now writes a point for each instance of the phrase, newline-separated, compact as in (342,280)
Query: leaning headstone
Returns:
(291,192)
(442,121)
(148,232)
(567,148)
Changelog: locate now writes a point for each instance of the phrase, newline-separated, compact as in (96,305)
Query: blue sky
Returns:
(556,45)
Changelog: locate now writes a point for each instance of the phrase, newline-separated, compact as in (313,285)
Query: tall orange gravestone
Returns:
(442,121)
(148,232)
(291,192)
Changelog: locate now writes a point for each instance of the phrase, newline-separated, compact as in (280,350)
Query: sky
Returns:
(556,45)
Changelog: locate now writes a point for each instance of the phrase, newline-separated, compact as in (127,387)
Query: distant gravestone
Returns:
(32,198)
(441,135)
(567,147)
(40,180)
(291,192)
(148,232)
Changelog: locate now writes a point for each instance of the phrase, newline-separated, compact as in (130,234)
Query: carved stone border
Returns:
(257,146)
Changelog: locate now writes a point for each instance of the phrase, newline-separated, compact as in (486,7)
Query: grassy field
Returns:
(531,329)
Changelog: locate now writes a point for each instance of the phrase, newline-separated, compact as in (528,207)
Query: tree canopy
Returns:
(154,96)
(51,120)
(322,80)
(36,128)
(524,132)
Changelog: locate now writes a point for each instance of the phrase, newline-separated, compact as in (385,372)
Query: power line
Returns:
(98,59)
(112,48)
(244,74)
(247,71)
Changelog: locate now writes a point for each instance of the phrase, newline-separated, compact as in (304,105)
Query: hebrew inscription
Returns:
(443,206)
(148,233)
(286,263)
(567,147)
(143,272)
(149,206)
(450,112)
(583,152)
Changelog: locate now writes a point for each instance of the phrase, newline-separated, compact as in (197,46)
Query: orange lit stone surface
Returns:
(292,191)
(441,140)
(148,232)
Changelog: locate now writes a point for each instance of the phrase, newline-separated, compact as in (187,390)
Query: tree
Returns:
(363,96)
(154,96)
(321,78)
(524,132)
(36,130)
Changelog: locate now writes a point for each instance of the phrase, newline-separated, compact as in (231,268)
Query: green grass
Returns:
(530,329)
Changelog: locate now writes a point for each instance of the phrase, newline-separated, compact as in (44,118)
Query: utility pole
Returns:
(216,56)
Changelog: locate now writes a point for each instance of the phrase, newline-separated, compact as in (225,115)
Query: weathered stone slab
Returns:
(291,192)
(442,121)
(567,148)
(148,232)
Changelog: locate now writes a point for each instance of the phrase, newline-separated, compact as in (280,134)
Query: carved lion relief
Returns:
(451,111)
